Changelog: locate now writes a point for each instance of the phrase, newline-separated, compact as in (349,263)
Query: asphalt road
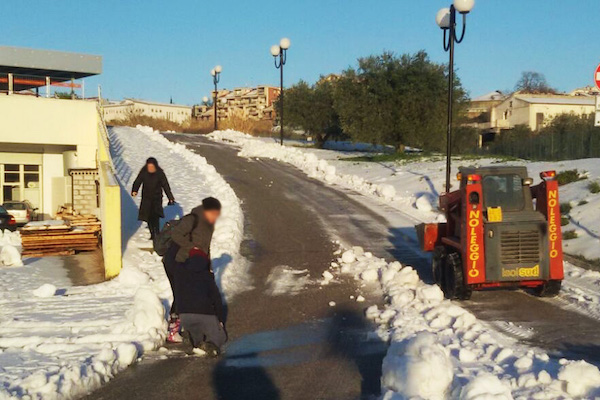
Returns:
(297,347)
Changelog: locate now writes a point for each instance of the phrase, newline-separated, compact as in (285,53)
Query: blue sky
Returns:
(157,49)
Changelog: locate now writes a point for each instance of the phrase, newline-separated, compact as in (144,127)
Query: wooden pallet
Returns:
(61,238)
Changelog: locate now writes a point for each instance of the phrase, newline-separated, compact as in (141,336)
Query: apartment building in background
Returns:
(251,103)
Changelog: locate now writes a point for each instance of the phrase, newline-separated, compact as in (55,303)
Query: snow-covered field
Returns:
(59,341)
(428,333)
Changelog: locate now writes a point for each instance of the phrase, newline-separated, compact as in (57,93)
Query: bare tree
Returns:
(534,83)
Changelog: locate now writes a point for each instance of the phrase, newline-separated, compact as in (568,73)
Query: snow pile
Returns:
(10,249)
(46,290)
(408,366)
(440,350)
(58,341)
(188,170)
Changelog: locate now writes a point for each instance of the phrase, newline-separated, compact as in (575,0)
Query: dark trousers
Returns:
(170,268)
(154,225)
(204,328)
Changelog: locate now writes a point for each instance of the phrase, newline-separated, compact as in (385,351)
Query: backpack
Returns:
(163,239)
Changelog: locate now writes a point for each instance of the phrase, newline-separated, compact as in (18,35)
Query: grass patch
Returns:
(564,220)
(587,263)
(569,176)
(385,157)
(594,187)
(582,202)
(569,235)
(565,208)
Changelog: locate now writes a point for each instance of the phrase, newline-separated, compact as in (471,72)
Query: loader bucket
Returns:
(428,235)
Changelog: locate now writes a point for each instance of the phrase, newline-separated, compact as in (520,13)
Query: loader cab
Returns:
(506,188)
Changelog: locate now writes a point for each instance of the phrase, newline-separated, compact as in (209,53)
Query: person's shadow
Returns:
(233,383)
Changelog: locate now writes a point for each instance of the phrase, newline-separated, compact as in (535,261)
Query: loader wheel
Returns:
(548,289)
(454,284)
(437,264)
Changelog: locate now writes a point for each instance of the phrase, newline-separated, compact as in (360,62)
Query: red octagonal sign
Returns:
(597,76)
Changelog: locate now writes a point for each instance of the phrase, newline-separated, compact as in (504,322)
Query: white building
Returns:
(131,107)
(44,140)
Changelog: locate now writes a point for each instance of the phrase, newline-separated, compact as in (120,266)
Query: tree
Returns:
(534,83)
(397,101)
(310,107)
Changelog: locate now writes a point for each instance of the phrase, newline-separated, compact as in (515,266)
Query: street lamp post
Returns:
(281,51)
(446,20)
(216,74)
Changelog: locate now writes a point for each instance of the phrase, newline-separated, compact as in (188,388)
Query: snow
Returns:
(471,360)
(46,290)
(427,332)
(286,280)
(59,341)
(408,365)
(10,249)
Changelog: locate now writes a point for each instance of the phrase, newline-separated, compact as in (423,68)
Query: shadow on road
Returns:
(348,339)
(252,364)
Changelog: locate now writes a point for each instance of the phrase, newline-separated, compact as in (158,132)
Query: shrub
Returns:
(582,202)
(594,187)
(564,220)
(565,208)
(569,176)
(571,234)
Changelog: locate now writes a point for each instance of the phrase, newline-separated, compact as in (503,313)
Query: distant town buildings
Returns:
(495,111)
(114,111)
(251,103)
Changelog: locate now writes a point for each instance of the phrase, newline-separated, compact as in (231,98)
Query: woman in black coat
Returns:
(154,182)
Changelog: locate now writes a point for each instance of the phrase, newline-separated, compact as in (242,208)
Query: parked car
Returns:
(7,221)
(23,211)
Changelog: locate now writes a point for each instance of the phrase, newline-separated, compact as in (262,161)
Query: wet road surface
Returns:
(296,347)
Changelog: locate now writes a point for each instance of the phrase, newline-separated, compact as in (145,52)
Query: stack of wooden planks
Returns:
(60,237)
(80,220)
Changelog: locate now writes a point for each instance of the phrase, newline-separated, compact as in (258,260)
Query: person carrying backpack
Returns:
(190,235)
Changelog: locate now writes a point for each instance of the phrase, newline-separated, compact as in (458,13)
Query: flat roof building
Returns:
(24,69)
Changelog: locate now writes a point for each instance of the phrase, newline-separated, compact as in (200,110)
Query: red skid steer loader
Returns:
(500,232)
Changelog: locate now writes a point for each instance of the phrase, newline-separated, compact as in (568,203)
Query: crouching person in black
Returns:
(197,298)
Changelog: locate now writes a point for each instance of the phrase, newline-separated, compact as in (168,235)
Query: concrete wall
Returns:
(110,206)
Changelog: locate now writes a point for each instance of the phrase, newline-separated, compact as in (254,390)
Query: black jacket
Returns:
(152,193)
(192,231)
(196,289)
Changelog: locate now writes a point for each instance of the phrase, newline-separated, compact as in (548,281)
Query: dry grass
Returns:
(235,122)
(239,123)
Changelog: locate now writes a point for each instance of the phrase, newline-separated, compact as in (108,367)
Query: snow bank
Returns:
(61,342)
(10,249)
(439,350)
(307,162)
